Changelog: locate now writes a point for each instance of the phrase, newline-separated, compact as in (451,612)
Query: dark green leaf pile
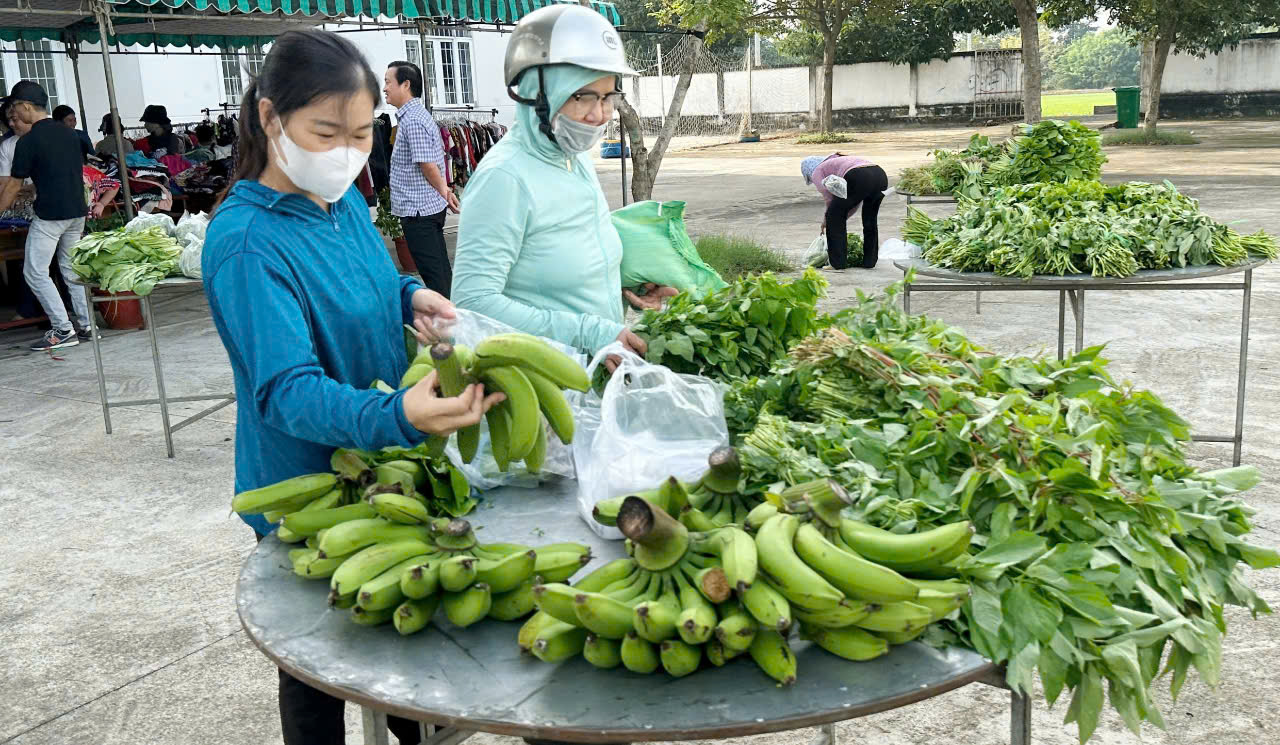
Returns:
(1080,227)
(1102,559)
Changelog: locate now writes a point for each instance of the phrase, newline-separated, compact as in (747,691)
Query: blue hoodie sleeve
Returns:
(266,329)
(489,242)
(408,286)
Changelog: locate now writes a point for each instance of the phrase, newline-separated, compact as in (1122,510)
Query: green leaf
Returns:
(1027,610)
(1022,667)
(1018,547)
(681,346)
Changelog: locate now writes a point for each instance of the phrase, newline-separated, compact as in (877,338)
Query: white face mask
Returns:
(328,174)
(574,137)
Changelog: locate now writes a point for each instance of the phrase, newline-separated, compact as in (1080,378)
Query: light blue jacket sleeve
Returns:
(290,389)
(489,246)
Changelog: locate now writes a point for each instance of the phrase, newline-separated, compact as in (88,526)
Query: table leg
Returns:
(826,735)
(1244,363)
(1019,718)
(97,358)
(374,724)
(977,301)
(155,357)
(1080,323)
(906,298)
(1062,323)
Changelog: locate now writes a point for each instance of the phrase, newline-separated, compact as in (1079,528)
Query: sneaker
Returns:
(55,340)
(85,335)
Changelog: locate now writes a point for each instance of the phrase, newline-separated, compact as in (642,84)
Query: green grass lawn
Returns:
(1060,105)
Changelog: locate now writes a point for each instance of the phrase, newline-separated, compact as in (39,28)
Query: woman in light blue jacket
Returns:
(536,249)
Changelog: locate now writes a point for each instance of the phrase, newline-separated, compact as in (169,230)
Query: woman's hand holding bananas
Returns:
(434,414)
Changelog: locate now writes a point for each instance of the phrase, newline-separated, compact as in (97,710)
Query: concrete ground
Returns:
(119,564)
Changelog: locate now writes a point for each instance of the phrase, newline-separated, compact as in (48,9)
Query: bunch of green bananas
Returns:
(531,373)
(400,571)
(855,589)
(714,501)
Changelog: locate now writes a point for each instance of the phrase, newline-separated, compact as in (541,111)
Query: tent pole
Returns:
(73,52)
(100,11)
(427,75)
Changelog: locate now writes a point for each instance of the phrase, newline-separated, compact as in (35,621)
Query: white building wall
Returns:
(870,85)
(1252,66)
(946,81)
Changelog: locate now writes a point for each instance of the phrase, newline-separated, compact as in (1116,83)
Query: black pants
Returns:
(866,188)
(309,716)
(425,236)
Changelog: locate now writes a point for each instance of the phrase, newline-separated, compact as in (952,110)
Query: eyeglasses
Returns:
(587,100)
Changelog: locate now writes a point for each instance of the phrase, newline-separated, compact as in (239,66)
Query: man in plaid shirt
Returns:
(420,196)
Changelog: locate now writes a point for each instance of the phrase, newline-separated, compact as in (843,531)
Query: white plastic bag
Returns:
(836,185)
(189,261)
(144,221)
(816,255)
(470,329)
(895,248)
(650,423)
(191,226)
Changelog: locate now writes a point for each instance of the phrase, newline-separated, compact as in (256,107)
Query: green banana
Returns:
(901,637)
(581,549)
(387,479)
(711,582)
(468,606)
(558,566)
(724,515)
(946,586)
(793,578)
(371,562)
(602,615)
(452,383)
(757,516)
(383,591)
(655,620)
(556,600)
(499,421)
(381,386)
(603,653)
(740,512)
(850,573)
(697,620)
(290,495)
(679,659)
(530,629)
(351,536)
(521,405)
(537,455)
(284,535)
(638,655)
(508,573)
(909,553)
(309,522)
(413,615)
(847,613)
(414,469)
(614,571)
(497,551)
(901,617)
(329,500)
(767,605)
(311,566)
(738,557)
(416,372)
(557,642)
(513,604)
(718,655)
(940,604)
(372,617)
(457,572)
(400,509)
(554,406)
(421,580)
(737,628)
(774,656)
(851,643)
(531,353)
(342,602)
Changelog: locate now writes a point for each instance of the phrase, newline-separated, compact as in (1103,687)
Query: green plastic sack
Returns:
(656,248)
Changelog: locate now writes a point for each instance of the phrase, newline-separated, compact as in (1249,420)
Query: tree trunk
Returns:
(1144,73)
(828,75)
(1163,44)
(1029,25)
(643,172)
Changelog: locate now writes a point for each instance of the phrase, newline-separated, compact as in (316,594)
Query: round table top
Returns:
(1077,281)
(478,679)
(166,282)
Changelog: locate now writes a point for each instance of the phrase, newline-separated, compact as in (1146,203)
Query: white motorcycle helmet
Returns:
(561,34)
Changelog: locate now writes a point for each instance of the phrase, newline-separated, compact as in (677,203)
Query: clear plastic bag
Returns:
(650,423)
(816,255)
(189,261)
(191,226)
(146,221)
(896,248)
(470,329)
(836,185)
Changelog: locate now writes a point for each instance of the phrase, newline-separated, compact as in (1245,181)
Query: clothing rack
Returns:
(465,110)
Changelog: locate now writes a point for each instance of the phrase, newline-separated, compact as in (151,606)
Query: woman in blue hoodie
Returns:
(309,305)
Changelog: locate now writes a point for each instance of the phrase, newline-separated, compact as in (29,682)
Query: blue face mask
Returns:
(574,137)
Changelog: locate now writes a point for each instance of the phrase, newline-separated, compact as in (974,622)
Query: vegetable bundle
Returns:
(1102,559)
(125,261)
(1080,227)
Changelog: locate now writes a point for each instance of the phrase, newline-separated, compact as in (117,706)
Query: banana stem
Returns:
(824,497)
(456,536)
(659,539)
(448,368)
(724,472)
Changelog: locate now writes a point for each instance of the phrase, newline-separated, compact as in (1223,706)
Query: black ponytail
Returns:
(301,67)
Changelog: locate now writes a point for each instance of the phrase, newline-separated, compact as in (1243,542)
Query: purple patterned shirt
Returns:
(417,141)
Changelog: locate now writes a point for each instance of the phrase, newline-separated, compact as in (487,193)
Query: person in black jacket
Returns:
(160,136)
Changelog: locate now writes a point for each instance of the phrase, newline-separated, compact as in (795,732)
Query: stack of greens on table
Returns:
(1102,558)
(1048,151)
(1080,227)
(124,261)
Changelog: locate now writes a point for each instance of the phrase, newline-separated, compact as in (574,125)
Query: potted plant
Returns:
(389,225)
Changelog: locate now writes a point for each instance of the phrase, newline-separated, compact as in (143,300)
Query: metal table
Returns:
(173,283)
(477,680)
(1072,288)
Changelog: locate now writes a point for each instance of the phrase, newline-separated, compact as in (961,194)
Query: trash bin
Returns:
(1128,101)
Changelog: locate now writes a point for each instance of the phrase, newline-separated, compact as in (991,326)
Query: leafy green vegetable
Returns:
(1099,553)
(123,261)
(1080,227)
